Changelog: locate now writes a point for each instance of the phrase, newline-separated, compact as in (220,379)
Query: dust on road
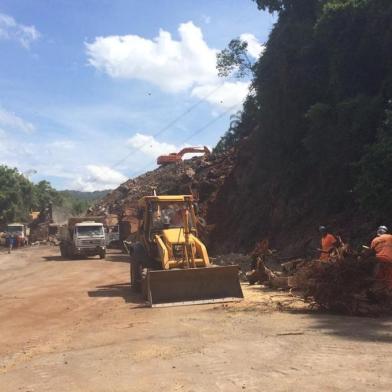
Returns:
(75,326)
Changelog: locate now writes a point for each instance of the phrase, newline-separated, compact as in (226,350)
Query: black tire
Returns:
(135,274)
(139,262)
(62,251)
(102,255)
(143,284)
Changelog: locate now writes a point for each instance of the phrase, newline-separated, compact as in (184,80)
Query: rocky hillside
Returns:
(320,129)
(313,144)
(201,176)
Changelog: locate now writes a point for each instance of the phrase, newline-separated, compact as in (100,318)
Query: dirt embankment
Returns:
(238,208)
(201,176)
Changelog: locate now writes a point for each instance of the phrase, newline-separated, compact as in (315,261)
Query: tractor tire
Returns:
(143,284)
(62,251)
(137,254)
(135,274)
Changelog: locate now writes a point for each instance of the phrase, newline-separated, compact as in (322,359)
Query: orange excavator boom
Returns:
(177,156)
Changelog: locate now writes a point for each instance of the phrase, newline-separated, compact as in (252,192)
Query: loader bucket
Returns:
(193,286)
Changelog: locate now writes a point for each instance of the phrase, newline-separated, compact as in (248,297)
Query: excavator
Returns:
(176,157)
(169,264)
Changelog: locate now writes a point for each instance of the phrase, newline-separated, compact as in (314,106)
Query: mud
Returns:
(75,326)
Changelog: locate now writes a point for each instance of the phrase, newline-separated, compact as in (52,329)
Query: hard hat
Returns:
(382,230)
(322,229)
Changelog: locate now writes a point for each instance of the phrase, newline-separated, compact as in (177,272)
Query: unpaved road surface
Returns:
(75,326)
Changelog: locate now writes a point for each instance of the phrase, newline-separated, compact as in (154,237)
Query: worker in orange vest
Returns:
(382,247)
(328,243)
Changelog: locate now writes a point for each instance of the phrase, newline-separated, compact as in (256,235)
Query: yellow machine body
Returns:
(173,262)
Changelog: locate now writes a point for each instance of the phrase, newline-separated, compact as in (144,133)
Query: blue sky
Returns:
(84,84)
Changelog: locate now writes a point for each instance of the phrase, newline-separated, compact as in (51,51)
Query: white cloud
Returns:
(172,65)
(188,64)
(62,145)
(98,177)
(255,48)
(151,147)
(11,30)
(12,122)
(228,95)
(13,151)
(148,145)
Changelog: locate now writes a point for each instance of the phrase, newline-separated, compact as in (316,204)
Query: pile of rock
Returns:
(200,176)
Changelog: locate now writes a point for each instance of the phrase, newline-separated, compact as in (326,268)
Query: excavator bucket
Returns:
(193,286)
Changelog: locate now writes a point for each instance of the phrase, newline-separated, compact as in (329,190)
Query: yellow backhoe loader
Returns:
(169,263)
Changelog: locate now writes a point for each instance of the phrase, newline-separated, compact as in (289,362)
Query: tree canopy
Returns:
(319,128)
(19,196)
(234,60)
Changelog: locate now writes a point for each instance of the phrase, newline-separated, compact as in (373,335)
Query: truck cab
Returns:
(89,237)
(86,238)
(19,231)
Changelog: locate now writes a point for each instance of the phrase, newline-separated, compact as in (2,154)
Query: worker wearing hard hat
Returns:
(328,243)
(382,246)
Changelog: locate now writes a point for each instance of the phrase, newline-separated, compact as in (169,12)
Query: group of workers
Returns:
(380,246)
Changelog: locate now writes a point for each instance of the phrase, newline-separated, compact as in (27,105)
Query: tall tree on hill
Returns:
(321,89)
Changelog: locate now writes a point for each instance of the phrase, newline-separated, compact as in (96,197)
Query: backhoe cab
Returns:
(169,263)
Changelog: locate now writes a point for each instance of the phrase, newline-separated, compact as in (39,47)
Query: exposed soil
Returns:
(201,176)
(75,326)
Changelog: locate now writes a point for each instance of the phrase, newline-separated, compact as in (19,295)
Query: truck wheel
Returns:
(138,260)
(143,283)
(62,251)
(135,275)
(102,255)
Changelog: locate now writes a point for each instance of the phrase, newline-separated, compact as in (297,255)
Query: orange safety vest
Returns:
(327,243)
(382,245)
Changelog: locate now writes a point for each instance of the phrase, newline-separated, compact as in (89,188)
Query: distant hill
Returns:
(75,203)
(87,196)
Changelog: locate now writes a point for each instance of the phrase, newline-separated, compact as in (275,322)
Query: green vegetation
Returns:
(374,183)
(19,196)
(234,60)
(16,195)
(78,202)
(319,122)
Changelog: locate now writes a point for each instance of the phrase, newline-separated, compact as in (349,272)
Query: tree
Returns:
(232,135)
(374,188)
(45,194)
(318,145)
(282,5)
(271,5)
(234,60)
(15,195)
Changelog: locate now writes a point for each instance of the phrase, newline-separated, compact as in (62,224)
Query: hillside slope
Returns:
(315,135)
(320,144)
(201,176)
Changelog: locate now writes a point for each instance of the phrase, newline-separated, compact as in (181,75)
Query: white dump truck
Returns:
(19,231)
(83,237)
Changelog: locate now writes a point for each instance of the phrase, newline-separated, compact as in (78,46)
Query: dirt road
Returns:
(75,326)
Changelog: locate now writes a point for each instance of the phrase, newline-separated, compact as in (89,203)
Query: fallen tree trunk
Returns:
(346,285)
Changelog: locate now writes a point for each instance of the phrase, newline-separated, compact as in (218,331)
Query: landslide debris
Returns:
(346,283)
(319,121)
(201,176)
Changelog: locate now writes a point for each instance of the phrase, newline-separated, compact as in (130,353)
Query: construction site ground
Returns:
(74,325)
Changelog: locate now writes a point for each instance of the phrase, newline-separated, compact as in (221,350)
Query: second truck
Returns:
(83,237)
